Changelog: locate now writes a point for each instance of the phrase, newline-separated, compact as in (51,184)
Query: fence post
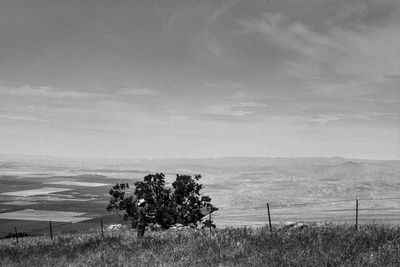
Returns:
(356,213)
(51,231)
(210,224)
(269,218)
(16,233)
(101,223)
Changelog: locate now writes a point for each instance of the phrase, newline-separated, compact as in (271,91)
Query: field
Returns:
(34,192)
(45,215)
(77,204)
(317,245)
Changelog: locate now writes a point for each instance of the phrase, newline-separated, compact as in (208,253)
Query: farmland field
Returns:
(33,192)
(78,183)
(315,190)
(45,215)
(77,204)
(19,203)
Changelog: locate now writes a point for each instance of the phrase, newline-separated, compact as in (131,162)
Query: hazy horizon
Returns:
(99,158)
(200,79)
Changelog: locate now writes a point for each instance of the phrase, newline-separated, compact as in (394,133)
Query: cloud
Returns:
(212,45)
(227,110)
(46,92)
(27,105)
(358,15)
(235,109)
(138,91)
(352,118)
(227,85)
(249,105)
(338,52)
(14,117)
(324,118)
(292,35)
(221,11)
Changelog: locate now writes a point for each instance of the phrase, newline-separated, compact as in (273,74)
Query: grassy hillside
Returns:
(328,245)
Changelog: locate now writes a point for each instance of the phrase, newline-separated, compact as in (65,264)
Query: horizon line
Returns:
(191,158)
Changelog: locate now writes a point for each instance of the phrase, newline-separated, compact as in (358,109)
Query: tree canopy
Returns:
(183,203)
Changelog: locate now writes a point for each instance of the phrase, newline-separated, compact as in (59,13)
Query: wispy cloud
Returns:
(134,91)
(235,109)
(228,85)
(212,45)
(338,52)
(350,118)
(46,92)
(249,105)
(14,117)
(324,118)
(292,35)
(227,110)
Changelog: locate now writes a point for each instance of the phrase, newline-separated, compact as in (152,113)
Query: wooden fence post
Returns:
(269,218)
(16,233)
(101,223)
(51,231)
(210,224)
(356,213)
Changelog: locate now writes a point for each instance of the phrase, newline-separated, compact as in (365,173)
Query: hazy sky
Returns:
(200,78)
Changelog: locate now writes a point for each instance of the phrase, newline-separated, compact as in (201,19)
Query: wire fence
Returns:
(357,211)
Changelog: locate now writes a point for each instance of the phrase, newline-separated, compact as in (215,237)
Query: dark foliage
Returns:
(191,206)
(182,204)
(121,204)
(161,204)
(14,235)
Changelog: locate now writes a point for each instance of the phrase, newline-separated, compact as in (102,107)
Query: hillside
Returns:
(317,245)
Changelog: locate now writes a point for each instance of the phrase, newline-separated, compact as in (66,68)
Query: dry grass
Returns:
(328,245)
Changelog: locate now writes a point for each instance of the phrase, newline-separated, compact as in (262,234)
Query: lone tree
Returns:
(183,203)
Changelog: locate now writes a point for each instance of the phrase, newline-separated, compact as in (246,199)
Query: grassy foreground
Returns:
(329,245)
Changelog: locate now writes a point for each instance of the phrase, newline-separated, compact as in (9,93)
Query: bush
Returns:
(183,203)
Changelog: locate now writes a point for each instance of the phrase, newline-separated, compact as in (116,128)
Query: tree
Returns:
(183,203)
(161,204)
(192,206)
(119,203)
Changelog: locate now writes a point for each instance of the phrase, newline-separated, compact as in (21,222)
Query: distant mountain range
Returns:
(329,168)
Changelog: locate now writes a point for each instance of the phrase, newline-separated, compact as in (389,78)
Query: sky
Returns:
(200,78)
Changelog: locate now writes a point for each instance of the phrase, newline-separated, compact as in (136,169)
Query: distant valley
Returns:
(297,189)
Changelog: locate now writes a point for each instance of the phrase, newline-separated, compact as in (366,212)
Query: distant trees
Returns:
(183,203)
